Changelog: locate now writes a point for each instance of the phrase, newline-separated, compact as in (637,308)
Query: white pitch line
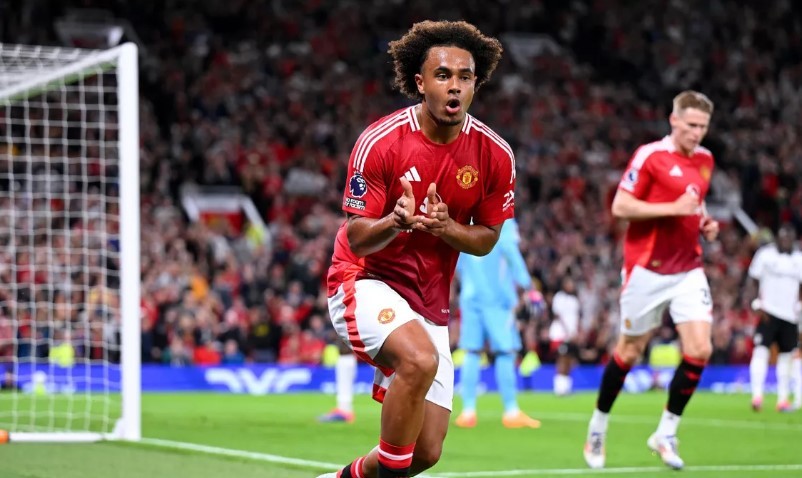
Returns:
(319,465)
(251,455)
(642,419)
(606,471)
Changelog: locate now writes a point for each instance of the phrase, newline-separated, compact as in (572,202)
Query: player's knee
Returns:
(419,365)
(427,457)
(629,353)
(700,351)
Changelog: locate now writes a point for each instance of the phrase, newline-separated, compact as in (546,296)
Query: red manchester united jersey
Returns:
(659,173)
(475,177)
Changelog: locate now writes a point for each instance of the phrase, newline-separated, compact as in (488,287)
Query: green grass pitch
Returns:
(277,436)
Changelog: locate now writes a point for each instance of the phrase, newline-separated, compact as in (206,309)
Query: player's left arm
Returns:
(474,239)
(497,206)
(708,226)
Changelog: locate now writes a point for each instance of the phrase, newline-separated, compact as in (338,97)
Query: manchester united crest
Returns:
(386,316)
(704,171)
(467,176)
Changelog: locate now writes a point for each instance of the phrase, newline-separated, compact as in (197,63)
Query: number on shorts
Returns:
(706,300)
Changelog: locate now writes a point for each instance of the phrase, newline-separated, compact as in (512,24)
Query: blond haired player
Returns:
(662,196)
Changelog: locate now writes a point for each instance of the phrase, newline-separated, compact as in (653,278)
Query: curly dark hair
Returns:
(409,52)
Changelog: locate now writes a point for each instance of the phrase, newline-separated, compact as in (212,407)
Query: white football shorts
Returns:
(646,295)
(366,312)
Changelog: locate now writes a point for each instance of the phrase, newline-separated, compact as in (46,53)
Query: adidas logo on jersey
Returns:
(412,175)
(675,172)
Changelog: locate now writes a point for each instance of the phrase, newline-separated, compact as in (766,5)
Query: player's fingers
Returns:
(432,194)
(401,212)
(407,187)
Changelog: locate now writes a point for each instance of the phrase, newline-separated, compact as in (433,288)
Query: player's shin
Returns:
(402,416)
(758,367)
(796,375)
(469,381)
(506,379)
(783,380)
(612,382)
(345,373)
(684,383)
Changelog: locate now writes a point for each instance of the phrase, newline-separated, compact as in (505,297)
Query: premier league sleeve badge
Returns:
(357,186)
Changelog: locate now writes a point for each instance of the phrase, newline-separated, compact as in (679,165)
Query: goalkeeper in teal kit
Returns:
(488,296)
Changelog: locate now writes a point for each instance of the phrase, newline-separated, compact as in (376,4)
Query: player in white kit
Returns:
(777,269)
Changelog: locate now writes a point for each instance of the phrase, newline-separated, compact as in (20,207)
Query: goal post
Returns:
(69,244)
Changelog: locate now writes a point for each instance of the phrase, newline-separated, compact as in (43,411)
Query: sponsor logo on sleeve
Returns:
(630,179)
(357,186)
(354,203)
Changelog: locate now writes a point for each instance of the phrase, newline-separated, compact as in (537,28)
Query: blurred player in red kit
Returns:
(662,195)
(424,184)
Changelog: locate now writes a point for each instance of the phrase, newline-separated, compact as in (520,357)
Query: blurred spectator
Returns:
(232,354)
(9,382)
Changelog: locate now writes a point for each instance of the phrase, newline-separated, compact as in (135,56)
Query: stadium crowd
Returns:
(270,97)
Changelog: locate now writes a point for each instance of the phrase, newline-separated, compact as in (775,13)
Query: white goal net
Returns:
(69,244)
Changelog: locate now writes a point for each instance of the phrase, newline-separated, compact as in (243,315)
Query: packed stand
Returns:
(271,97)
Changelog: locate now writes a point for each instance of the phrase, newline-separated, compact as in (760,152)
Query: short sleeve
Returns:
(757,264)
(365,188)
(638,176)
(498,205)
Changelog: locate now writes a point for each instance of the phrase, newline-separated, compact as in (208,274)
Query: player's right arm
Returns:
(365,200)
(629,200)
(368,235)
(627,206)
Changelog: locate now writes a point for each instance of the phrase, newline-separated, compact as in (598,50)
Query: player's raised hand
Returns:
(437,217)
(710,228)
(687,204)
(404,212)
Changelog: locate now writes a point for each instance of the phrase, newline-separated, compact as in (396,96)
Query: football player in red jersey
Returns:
(662,195)
(424,184)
